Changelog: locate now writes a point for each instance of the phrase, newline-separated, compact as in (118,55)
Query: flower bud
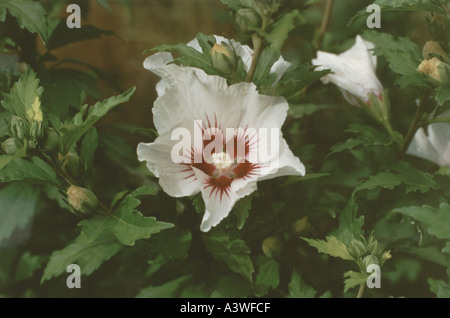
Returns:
(301,225)
(71,163)
(82,200)
(35,112)
(272,246)
(223,58)
(356,248)
(17,127)
(247,20)
(369,260)
(433,49)
(51,142)
(436,71)
(9,146)
(36,130)
(266,7)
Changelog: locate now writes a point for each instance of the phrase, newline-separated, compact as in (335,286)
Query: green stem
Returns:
(70,180)
(325,22)
(415,124)
(361,291)
(392,133)
(257,47)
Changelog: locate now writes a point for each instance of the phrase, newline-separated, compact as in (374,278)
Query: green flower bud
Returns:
(266,7)
(356,248)
(247,20)
(36,130)
(71,163)
(369,260)
(272,246)
(82,200)
(10,146)
(223,58)
(51,142)
(301,225)
(17,127)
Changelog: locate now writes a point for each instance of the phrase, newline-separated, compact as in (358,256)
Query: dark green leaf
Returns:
(29,14)
(35,170)
(442,94)
(74,130)
(27,266)
(298,288)
(281,29)
(167,290)
(242,209)
(62,35)
(403,57)
(233,252)
(89,255)
(268,276)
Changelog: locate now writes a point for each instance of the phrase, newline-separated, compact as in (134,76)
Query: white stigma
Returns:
(221,160)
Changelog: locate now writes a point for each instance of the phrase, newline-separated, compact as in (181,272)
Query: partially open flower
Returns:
(353,71)
(435,70)
(433,145)
(213,138)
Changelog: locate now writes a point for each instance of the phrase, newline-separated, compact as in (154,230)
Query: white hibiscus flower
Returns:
(433,145)
(353,71)
(222,166)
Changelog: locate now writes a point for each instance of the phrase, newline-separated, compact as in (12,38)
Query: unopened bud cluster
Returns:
(367,252)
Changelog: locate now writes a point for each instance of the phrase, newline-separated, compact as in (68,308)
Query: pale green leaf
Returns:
(353,279)
(35,170)
(18,202)
(331,246)
(281,29)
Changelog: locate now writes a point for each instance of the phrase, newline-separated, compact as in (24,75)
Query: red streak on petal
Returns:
(219,185)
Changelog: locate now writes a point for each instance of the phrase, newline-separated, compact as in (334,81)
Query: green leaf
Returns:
(23,94)
(298,289)
(6,159)
(127,224)
(242,209)
(403,57)
(353,279)
(190,56)
(36,171)
(167,290)
(268,276)
(30,15)
(89,255)
(331,246)
(237,4)
(62,35)
(437,221)
(27,266)
(296,78)
(298,111)
(88,147)
(18,202)
(405,5)
(233,252)
(311,176)
(198,203)
(262,76)
(442,94)
(231,286)
(430,253)
(281,29)
(350,227)
(402,173)
(74,130)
